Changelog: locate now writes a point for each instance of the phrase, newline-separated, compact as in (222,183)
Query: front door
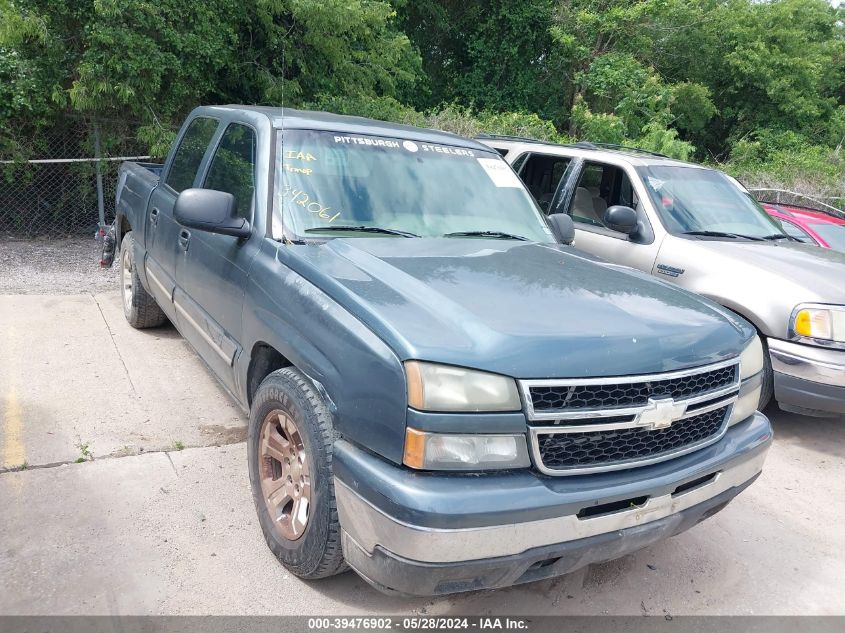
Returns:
(212,269)
(162,235)
(599,186)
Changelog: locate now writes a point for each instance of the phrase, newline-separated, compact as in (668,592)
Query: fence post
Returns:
(101,206)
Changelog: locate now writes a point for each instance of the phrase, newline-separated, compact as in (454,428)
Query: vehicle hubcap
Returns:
(126,279)
(285,477)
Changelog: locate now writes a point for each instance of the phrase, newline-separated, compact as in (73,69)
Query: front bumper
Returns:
(434,533)
(808,380)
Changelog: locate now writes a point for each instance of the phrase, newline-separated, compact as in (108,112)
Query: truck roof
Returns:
(632,155)
(291,118)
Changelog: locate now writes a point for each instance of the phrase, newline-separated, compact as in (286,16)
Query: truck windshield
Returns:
(705,201)
(394,188)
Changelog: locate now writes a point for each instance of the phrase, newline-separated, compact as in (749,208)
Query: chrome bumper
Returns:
(371,528)
(814,364)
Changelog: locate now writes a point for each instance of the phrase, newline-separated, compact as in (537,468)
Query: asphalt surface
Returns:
(157,516)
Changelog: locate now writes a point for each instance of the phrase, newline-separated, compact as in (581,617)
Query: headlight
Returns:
(751,359)
(444,451)
(445,388)
(748,401)
(822,322)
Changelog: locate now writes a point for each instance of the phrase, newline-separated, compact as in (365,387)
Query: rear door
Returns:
(542,174)
(212,269)
(179,174)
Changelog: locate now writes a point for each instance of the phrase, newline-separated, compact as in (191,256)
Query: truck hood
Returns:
(521,309)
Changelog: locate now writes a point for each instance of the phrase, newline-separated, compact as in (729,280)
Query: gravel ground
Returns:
(60,266)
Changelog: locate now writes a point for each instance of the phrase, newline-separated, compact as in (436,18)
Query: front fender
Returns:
(362,377)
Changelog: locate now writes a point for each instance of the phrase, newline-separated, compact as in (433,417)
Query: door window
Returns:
(233,167)
(541,174)
(186,161)
(599,187)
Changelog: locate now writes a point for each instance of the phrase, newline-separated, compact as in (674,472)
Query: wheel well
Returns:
(123,228)
(263,361)
(753,322)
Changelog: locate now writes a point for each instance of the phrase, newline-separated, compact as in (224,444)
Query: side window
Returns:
(189,154)
(588,206)
(519,162)
(541,174)
(601,186)
(233,167)
(793,230)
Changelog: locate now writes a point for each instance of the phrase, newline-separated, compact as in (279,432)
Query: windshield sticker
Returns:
(305,171)
(655,183)
(360,140)
(409,146)
(293,154)
(500,173)
(445,149)
(297,196)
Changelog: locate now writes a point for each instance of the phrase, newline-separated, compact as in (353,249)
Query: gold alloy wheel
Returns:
(285,478)
(126,279)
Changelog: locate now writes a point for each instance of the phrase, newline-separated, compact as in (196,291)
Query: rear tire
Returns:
(139,306)
(290,443)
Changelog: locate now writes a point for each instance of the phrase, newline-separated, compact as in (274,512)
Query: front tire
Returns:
(767,389)
(290,470)
(139,306)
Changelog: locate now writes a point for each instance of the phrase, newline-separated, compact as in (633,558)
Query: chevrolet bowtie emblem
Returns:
(660,413)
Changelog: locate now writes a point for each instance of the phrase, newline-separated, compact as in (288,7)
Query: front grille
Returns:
(548,399)
(562,451)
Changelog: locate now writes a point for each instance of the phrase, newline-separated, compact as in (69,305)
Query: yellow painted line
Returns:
(14,453)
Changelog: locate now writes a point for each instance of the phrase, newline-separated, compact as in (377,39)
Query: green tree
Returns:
(495,55)
(151,62)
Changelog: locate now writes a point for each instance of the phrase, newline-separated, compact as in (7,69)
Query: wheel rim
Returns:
(285,476)
(126,279)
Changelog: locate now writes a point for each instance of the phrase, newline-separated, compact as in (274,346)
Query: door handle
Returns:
(184,238)
(154,216)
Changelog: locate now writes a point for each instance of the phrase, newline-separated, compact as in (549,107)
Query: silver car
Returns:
(700,229)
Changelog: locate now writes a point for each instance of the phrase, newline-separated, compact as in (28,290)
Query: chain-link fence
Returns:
(62,182)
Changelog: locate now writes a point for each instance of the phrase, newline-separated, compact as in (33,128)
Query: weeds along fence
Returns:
(62,183)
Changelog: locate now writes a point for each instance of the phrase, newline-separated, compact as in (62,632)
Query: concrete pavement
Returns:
(77,381)
(167,531)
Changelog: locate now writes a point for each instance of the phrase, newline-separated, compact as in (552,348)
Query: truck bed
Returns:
(135,185)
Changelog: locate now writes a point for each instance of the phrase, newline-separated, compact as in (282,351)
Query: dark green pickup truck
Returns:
(443,395)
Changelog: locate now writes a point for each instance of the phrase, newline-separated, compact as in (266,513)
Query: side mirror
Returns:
(621,218)
(210,210)
(562,227)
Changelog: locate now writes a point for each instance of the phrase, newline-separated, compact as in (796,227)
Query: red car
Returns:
(810,226)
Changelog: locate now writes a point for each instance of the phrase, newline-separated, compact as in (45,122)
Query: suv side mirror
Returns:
(210,210)
(622,219)
(562,227)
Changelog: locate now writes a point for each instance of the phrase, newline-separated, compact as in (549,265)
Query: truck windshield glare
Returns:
(701,200)
(328,180)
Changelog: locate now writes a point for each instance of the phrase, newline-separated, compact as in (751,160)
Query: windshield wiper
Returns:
(780,236)
(494,234)
(362,229)
(723,234)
